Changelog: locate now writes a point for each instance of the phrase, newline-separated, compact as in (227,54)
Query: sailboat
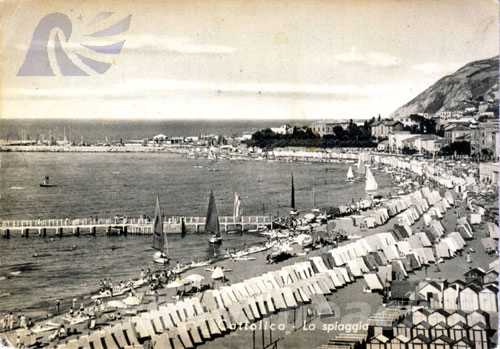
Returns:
(183,228)
(212,222)
(160,242)
(350,175)
(292,197)
(371,185)
(46,183)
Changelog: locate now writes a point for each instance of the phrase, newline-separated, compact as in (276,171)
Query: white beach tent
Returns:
(415,242)
(488,299)
(458,239)
(355,268)
(391,252)
(469,299)
(429,254)
(443,250)
(319,263)
(493,230)
(338,280)
(385,274)
(337,258)
(475,218)
(404,247)
(373,282)
(345,274)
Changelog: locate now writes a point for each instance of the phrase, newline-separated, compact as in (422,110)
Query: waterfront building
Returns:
(383,128)
(457,133)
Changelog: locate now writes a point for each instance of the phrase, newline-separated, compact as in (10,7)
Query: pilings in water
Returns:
(42,232)
(77,227)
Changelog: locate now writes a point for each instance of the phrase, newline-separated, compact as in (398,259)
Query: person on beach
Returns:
(58,306)
(11,321)
(22,321)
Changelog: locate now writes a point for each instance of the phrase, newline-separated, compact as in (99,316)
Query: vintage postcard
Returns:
(317,174)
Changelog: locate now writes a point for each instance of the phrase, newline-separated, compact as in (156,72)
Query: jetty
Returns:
(118,225)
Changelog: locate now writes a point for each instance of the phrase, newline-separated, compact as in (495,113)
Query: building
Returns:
(383,128)
(283,129)
(396,140)
(485,139)
(488,173)
(457,133)
(323,128)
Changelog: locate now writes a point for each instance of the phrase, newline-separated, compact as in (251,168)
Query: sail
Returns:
(292,198)
(350,175)
(183,228)
(212,222)
(159,240)
(371,184)
(237,204)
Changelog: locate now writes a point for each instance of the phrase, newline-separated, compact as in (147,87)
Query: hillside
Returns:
(474,82)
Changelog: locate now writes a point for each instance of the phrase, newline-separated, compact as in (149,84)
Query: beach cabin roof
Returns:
(423,324)
(442,338)
(400,339)
(478,316)
(373,282)
(475,271)
(495,265)
(463,343)
(379,339)
(459,325)
(420,338)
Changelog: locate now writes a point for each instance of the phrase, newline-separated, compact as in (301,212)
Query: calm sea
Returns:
(99,130)
(101,184)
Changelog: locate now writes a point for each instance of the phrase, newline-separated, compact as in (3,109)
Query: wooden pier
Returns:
(119,226)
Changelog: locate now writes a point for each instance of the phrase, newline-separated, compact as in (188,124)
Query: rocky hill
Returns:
(474,83)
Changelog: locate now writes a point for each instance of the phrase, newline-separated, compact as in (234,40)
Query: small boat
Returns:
(214,239)
(280,253)
(350,175)
(200,264)
(46,183)
(160,242)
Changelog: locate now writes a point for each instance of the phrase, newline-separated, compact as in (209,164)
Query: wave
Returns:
(16,188)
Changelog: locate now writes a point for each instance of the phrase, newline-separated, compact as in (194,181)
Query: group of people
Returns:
(11,321)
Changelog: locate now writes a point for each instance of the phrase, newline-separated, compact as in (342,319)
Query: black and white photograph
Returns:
(254,174)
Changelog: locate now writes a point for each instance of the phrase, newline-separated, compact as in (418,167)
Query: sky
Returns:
(237,59)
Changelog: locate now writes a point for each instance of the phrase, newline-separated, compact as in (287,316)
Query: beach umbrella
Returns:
(117,304)
(217,273)
(132,300)
(194,278)
(175,284)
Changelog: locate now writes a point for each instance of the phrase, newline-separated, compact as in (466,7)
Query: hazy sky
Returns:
(243,59)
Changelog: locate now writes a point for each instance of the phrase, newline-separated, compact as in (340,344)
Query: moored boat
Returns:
(212,222)
(160,242)
(46,183)
(350,175)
